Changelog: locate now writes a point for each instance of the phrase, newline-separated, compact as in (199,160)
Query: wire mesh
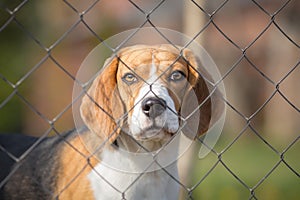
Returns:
(12,13)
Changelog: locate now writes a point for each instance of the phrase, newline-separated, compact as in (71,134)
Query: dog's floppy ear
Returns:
(202,105)
(101,106)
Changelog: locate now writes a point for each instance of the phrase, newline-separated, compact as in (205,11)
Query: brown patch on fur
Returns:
(102,106)
(72,182)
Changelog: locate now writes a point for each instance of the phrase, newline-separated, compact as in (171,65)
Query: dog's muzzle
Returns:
(153,107)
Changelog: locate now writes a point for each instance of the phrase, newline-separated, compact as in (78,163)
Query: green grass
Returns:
(251,161)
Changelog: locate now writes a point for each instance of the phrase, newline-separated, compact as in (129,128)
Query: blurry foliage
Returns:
(20,53)
(250,162)
(13,63)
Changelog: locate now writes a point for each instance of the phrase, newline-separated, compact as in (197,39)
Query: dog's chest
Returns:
(108,183)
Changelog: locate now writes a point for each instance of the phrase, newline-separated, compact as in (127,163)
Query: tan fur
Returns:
(97,108)
(200,89)
(75,166)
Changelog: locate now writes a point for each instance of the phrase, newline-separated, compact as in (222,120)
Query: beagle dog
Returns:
(144,98)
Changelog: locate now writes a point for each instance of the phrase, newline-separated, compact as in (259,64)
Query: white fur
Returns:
(136,183)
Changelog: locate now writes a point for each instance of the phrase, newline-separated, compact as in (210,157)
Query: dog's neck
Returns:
(144,155)
(128,155)
(125,143)
(128,143)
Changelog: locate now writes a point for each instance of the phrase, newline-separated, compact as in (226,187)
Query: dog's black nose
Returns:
(153,107)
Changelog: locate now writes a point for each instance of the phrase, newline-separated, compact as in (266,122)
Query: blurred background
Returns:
(255,45)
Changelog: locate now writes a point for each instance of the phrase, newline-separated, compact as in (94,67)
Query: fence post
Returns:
(193,22)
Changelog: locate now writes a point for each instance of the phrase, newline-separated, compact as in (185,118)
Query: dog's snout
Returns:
(153,107)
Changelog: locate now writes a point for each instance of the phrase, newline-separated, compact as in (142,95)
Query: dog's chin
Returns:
(155,134)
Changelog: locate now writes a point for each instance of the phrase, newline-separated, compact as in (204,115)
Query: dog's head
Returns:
(150,93)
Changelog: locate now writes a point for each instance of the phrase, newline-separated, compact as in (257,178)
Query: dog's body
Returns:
(133,112)
(38,169)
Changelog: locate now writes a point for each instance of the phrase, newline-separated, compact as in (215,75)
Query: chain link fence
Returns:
(254,43)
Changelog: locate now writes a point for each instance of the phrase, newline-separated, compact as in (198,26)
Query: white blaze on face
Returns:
(142,126)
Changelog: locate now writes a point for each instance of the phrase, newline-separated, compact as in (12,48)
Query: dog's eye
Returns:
(177,76)
(129,78)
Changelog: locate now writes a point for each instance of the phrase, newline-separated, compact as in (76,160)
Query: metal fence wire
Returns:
(20,25)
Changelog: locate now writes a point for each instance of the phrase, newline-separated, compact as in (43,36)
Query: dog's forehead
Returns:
(143,61)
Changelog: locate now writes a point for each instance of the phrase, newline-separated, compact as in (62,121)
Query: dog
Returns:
(144,97)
